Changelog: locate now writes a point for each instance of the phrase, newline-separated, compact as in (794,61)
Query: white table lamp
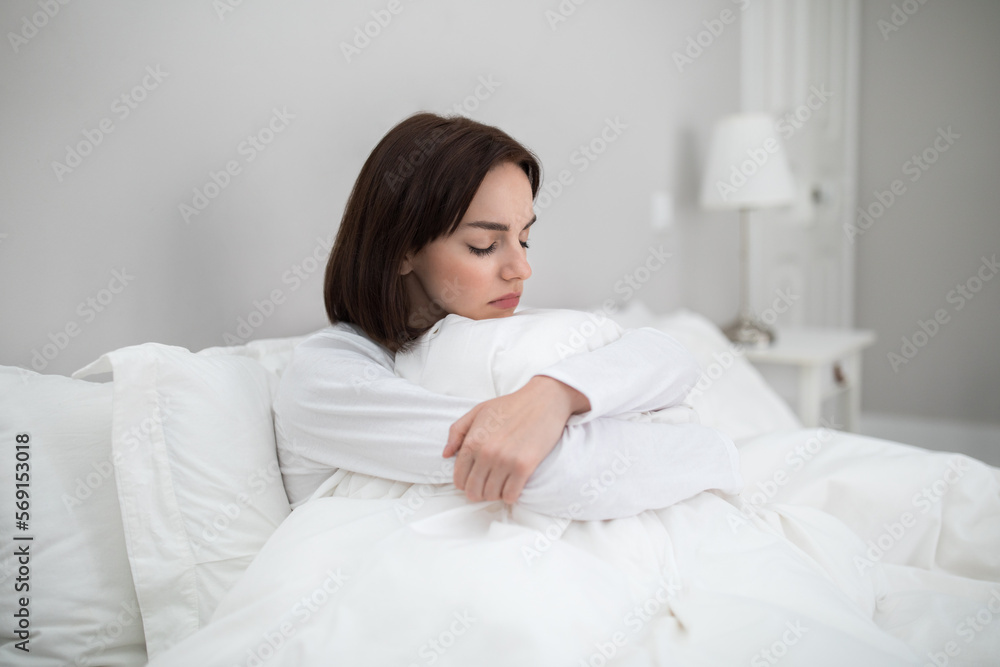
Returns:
(747,169)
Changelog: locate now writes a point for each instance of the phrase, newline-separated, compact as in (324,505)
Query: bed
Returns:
(150,524)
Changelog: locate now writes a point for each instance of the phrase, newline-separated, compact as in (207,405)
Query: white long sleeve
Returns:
(483,359)
(609,468)
(643,370)
(339,405)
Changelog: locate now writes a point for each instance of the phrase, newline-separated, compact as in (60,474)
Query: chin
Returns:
(488,316)
(488,313)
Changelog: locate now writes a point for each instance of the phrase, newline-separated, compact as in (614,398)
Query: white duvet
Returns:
(841,550)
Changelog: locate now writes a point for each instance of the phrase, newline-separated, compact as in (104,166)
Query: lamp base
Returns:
(750,332)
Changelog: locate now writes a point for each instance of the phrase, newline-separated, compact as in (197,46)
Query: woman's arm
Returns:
(660,374)
(603,469)
(611,468)
(500,442)
(341,406)
(631,371)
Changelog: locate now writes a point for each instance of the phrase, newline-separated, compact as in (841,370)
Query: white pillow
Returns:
(81,602)
(731,395)
(198,480)
(483,359)
(272,353)
(633,315)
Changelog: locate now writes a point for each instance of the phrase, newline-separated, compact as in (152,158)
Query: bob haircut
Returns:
(415,186)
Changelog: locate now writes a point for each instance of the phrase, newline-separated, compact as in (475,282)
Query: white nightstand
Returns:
(809,367)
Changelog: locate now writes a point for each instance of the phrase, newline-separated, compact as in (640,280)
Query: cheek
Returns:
(458,279)
(451,276)
(470,277)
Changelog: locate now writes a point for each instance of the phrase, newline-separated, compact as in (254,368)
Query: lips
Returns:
(507,300)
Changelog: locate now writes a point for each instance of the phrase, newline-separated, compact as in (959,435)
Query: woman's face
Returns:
(479,271)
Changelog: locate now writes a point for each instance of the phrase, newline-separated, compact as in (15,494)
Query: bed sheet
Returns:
(796,569)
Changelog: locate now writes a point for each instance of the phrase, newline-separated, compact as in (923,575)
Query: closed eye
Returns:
(482,252)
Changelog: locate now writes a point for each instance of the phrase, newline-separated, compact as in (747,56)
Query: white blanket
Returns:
(382,573)
(841,550)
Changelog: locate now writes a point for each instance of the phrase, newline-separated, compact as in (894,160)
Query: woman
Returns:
(377,569)
(438,223)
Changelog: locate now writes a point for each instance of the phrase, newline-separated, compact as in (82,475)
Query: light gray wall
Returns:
(61,240)
(190,283)
(940,69)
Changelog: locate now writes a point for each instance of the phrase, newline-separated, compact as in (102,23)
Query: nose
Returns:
(516,266)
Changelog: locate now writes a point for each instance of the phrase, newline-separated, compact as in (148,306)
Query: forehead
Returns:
(504,196)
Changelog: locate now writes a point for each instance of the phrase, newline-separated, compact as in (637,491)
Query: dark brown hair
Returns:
(415,186)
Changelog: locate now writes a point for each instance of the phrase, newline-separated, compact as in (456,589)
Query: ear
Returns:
(407,265)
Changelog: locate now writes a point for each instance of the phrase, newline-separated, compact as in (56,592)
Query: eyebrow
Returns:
(496,226)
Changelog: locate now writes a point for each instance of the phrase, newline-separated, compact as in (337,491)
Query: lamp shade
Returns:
(747,166)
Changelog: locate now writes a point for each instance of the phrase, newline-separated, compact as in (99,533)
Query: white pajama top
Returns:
(341,406)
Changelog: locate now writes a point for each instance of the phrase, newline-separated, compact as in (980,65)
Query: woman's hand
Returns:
(501,442)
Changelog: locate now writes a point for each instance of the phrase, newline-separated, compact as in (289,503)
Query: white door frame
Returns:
(793,53)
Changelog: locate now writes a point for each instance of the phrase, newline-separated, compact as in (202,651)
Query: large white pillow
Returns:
(82,606)
(198,481)
(634,314)
(731,395)
(271,353)
(482,359)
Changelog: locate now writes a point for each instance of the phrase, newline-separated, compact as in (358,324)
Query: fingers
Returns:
(479,474)
(458,431)
(512,488)
(494,484)
(496,477)
(499,443)
(476,482)
(463,466)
